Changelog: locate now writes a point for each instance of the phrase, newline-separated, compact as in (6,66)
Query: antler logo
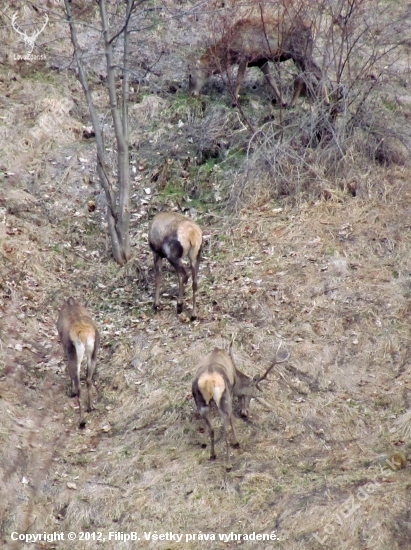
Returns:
(29,40)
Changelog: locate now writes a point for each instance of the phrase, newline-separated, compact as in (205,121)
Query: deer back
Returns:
(252,40)
(255,40)
(170,228)
(215,379)
(74,322)
(217,358)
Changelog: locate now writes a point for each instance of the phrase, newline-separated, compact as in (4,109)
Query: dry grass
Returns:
(330,278)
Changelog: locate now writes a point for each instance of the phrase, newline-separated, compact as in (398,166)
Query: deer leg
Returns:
(318,74)
(266,70)
(299,84)
(235,443)
(226,410)
(91,365)
(71,354)
(240,78)
(89,402)
(322,92)
(74,388)
(204,411)
(82,422)
(226,421)
(194,274)
(182,280)
(158,263)
(74,369)
(75,354)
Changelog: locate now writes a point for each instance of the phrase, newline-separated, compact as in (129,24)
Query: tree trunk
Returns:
(118,201)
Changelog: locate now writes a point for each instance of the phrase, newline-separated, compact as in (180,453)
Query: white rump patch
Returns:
(80,349)
(89,348)
(166,249)
(218,392)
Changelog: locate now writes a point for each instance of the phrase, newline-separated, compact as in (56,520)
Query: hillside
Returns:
(321,264)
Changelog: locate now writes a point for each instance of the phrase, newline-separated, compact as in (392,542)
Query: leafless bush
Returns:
(214,133)
(363,53)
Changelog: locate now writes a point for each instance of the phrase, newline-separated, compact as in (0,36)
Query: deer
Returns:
(173,236)
(218,379)
(79,336)
(254,42)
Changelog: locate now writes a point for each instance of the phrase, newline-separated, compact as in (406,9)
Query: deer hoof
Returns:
(179,308)
(235,445)
(82,424)
(213,457)
(155,307)
(193,317)
(203,445)
(228,468)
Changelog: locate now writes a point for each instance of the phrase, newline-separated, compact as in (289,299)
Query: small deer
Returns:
(173,236)
(253,43)
(79,336)
(220,380)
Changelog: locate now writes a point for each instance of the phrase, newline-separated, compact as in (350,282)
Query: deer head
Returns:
(247,388)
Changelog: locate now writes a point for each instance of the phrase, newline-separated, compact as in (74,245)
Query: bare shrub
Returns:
(290,153)
(363,53)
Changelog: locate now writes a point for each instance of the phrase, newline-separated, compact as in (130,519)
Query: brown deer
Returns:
(220,380)
(174,236)
(79,336)
(255,42)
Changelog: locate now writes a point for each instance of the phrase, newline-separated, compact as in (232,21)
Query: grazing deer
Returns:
(219,379)
(173,236)
(255,42)
(79,336)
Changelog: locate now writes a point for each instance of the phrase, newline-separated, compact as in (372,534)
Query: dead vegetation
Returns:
(331,279)
(328,274)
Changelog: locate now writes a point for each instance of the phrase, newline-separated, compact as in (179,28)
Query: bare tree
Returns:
(117,194)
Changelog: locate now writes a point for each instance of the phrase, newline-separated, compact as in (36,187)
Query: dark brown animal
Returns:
(174,236)
(255,42)
(79,336)
(219,379)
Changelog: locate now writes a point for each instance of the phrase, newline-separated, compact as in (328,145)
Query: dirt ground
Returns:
(330,278)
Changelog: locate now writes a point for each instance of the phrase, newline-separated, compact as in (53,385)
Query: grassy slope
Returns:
(331,279)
